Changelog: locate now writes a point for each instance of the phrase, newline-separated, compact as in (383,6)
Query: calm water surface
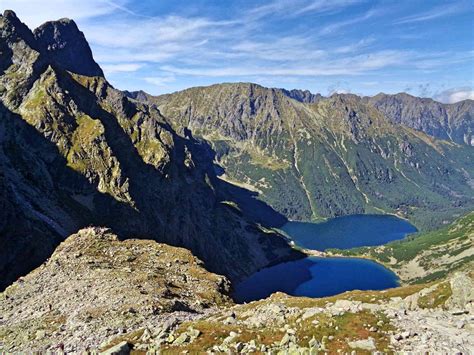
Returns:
(348,231)
(316,277)
(321,277)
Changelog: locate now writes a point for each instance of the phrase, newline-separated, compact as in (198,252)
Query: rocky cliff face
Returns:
(75,152)
(66,46)
(304,96)
(452,122)
(339,155)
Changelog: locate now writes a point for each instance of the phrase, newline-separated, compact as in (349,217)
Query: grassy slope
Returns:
(426,256)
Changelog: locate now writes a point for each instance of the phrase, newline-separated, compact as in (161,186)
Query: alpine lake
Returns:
(327,276)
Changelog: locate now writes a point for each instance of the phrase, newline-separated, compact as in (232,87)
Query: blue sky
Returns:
(422,47)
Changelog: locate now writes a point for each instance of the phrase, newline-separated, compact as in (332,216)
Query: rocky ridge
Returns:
(95,286)
(452,122)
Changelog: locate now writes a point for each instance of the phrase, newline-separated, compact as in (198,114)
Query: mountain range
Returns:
(312,157)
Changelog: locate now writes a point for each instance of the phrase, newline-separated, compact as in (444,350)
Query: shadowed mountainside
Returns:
(75,152)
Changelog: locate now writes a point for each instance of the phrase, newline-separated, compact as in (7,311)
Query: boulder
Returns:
(122,348)
(363,344)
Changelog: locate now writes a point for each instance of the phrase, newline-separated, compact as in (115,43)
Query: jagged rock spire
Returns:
(67,46)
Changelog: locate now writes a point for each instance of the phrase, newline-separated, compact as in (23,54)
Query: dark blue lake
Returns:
(321,277)
(348,231)
(316,277)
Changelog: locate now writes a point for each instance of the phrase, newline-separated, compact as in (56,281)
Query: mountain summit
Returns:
(67,46)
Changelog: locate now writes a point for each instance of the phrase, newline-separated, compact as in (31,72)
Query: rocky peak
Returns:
(304,96)
(12,29)
(139,95)
(64,43)
(446,121)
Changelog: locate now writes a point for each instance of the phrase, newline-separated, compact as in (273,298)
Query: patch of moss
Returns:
(436,298)
(87,131)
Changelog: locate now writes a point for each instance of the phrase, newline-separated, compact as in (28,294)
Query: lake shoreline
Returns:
(324,269)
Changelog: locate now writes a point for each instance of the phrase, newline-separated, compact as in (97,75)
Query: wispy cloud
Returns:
(36,12)
(125,9)
(354,47)
(288,8)
(276,41)
(345,66)
(160,80)
(333,27)
(121,68)
(348,66)
(281,49)
(454,95)
(437,12)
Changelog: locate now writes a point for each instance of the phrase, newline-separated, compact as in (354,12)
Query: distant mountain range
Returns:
(452,122)
(310,156)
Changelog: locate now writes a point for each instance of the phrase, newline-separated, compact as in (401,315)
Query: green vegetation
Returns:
(88,129)
(428,256)
(437,297)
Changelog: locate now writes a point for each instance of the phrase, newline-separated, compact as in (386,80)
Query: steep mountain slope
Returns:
(453,122)
(74,152)
(336,156)
(304,96)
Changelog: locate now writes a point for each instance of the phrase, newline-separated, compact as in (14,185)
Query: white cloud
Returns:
(121,67)
(153,40)
(288,8)
(36,12)
(281,49)
(247,44)
(132,33)
(437,12)
(343,66)
(453,95)
(354,47)
(333,27)
(160,80)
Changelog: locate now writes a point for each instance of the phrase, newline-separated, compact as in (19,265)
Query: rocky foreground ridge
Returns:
(98,293)
(95,286)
